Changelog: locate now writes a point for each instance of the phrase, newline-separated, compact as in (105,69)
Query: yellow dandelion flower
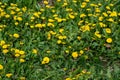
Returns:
(99,4)
(110,20)
(105,14)
(88,9)
(22,60)
(8,75)
(1,67)
(111,4)
(82,15)
(22,78)
(113,14)
(42,9)
(74,54)
(84,71)
(7,15)
(38,25)
(16,35)
(12,12)
(12,49)
(64,69)
(45,2)
(118,14)
(17,55)
(85,28)
(55,15)
(21,43)
(74,1)
(24,9)
(2,42)
(19,18)
(108,30)
(118,52)
(71,16)
(52,32)
(90,14)
(15,17)
(68,79)
(51,20)
(100,18)
(59,41)
(34,51)
(58,0)
(48,51)
(48,36)
(50,24)
(64,37)
(108,7)
(61,30)
(53,11)
(32,18)
(60,37)
(64,4)
(79,38)
(16,23)
(59,20)
(98,34)
(97,10)
(22,52)
(17,50)
(87,0)
(102,24)
(47,6)
(26,24)
(79,23)
(81,52)
(36,14)
(69,47)
(5,51)
(17,9)
(45,60)
(67,51)
(109,40)
(13,5)
(43,25)
(92,4)
(5,46)
(31,26)
(83,5)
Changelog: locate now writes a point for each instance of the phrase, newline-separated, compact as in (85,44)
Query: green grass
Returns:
(29,3)
(68,40)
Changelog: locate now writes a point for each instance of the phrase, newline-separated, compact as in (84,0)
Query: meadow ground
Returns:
(60,40)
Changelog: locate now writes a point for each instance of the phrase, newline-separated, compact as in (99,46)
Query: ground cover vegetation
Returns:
(59,40)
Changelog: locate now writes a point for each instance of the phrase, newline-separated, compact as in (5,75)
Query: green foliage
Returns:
(62,39)
(28,3)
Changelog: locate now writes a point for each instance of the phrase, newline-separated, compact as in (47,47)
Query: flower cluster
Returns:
(58,34)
